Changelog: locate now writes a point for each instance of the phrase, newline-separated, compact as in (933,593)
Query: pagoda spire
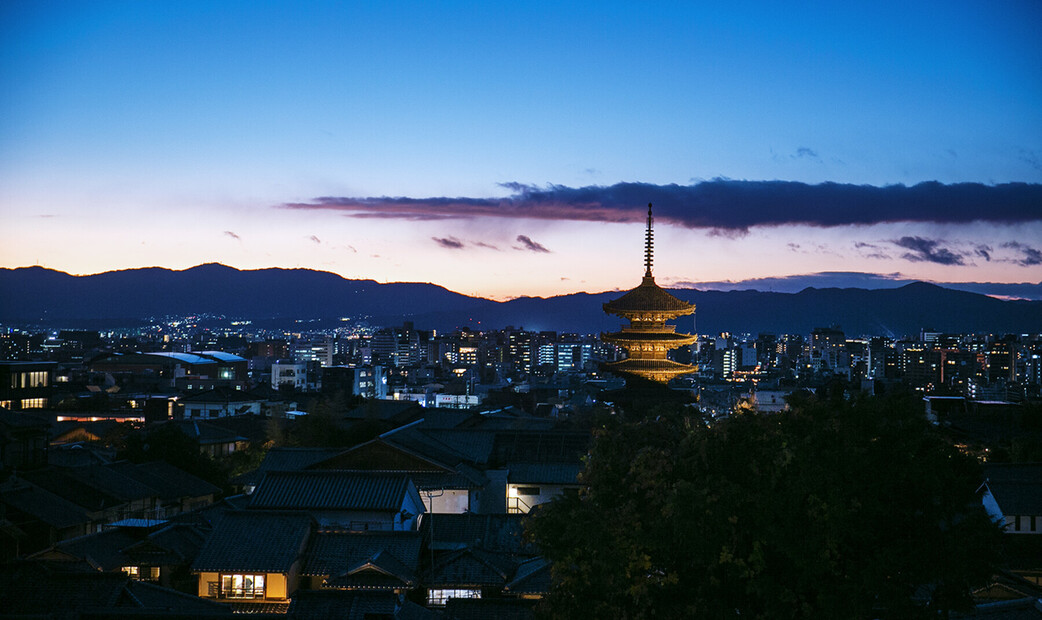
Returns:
(649,244)
(648,339)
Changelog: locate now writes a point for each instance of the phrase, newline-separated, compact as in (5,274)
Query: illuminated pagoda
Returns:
(648,339)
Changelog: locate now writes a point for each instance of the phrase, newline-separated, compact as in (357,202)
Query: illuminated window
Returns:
(153,573)
(242,586)
(440,596)
(34,403)
(6,404)
(131,571)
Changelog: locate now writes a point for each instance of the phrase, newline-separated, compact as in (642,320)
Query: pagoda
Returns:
(648,339)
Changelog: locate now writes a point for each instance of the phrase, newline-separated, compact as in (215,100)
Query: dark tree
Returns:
(834,509)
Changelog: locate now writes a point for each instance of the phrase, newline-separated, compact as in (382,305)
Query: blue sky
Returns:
(174,133)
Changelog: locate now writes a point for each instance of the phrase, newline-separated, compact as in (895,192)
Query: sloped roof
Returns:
(36,589)
(337,490)
(544,473)
(382,571)
(470,567)
(648,297)
(336,552)
(44,505)
(1017,487)
(502,533)
(488,609)
(254,541)
(341,605)
(531,577)
(169,482)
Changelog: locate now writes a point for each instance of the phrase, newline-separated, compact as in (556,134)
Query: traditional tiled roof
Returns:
(382,571)
(254,541)
(43,505)
(1016,487)
(71,489)
(205,433)
(531,577)
(470,567)
(501,533)
(331,490)
(544,473)
(341,605)
(169,482)
(648,297)
(36,588)
(337,552)
(488,609)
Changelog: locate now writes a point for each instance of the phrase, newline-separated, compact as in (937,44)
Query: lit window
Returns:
(153,573)
(439,597)
(242,586)
(131,571)
(34,403)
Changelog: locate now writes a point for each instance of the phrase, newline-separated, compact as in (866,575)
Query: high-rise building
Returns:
(648,339)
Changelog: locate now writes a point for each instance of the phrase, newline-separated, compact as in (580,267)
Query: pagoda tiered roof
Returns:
(648,339)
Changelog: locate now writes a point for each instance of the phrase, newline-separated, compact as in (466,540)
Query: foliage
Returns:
(835,509)
(166,442)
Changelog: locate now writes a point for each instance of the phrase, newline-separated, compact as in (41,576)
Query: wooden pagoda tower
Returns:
(648,339)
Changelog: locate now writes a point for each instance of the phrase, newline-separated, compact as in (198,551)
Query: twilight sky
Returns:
(506,149)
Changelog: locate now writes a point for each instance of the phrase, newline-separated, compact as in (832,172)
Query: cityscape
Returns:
(407,311)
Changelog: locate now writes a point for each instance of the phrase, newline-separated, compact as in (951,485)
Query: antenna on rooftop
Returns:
(649,244)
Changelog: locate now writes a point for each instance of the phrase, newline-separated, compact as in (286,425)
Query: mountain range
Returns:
(45,296)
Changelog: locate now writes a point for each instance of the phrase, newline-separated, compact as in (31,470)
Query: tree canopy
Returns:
(833,509)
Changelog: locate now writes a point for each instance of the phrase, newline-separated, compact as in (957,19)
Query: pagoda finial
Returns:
(649,245)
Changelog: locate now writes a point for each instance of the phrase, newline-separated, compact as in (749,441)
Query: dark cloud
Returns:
(482,244)
(927,250)
(720,204)
(871,250)
(984,251)
(1030,256)
(805,152)
(451,243)
(532,246)
(229,233)
(315,239)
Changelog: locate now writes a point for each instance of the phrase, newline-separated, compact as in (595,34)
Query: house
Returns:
(372,561)
(357,500)
(253,558)
(1012,495)
(38,589)
(156,551)
(219,402)
(23,441)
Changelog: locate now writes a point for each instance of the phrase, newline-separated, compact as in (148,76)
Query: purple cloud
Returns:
(531,246)
(229,233)
(451,243)
(927,250)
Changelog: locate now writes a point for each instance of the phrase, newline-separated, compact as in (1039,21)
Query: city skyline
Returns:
(510,152)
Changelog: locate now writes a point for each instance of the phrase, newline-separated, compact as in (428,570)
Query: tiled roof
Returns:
(254,541)
(382,571)
(544,473)
(1017,487)
(470,567)
(169,482)
(69,488)
(43,505)
(341,605)
(35,588)
(648,297)
(531,577)
(488,609)
(113,482)
(324,490)
(336,552)
(494,532)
